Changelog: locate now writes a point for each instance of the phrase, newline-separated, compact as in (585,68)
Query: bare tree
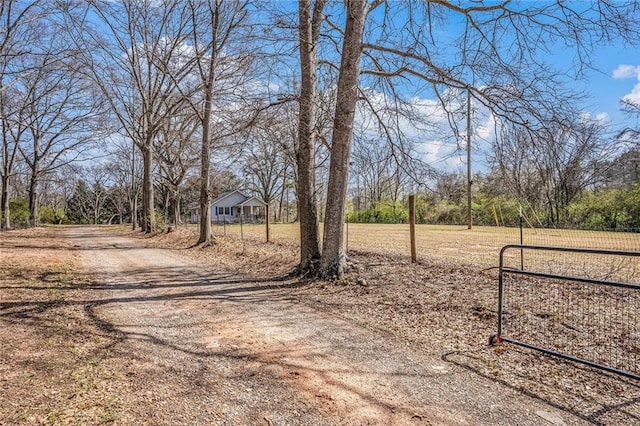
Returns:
(266,163)
(97,178)
(13,129)
(178,154)
(549,169)
(141,66)
(118,194)
(513,156)
(333,260)
(623,171)
(379,176)
(499,51)
(123,169)
(567,166)
(631,108)
(311,18)
(62,111)
(19,37)
(221,66)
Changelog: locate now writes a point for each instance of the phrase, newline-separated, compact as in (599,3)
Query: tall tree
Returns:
(178,154)
(136,53)
(64,116)
(19,38)
(221,66)
(311,18)
(333,260)
(500,50)
(124,169)
(266,164)
(548,169)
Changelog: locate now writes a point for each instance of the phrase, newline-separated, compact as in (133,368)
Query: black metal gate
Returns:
(577,304)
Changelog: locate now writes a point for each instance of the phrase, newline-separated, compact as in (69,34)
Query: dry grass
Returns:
(479,246)
(51,357)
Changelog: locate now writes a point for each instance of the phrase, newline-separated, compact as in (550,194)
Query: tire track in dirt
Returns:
(196,346)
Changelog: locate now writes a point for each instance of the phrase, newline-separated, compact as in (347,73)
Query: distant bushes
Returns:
(607,209)
(381,213)
(601,209)
(19,212)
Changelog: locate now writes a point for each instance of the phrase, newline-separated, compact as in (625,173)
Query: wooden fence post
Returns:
(412,226)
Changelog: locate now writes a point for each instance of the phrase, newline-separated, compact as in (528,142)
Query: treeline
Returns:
(611,200)
(604,209)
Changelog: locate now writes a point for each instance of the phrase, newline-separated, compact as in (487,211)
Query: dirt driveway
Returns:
(180,343)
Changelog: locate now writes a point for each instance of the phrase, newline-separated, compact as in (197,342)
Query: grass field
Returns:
(479,246)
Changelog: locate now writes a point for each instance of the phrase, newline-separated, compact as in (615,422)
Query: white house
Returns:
(234,205)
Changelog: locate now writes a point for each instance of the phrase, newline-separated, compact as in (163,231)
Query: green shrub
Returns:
(606,209)
(381,213)
(47,214)
(19,209)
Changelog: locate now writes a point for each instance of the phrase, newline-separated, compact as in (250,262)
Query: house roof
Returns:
(253,199)
(224,195)
(221,197)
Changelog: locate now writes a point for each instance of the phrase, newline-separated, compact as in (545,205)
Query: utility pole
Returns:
(469,181)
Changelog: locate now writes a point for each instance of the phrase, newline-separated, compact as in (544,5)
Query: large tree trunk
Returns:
(174,208)
(6,219)
(267,220)
(277,216)
(134,211)
(205,184)
(133,200)
(148,208)
(177,218)
(6,168)
(307,209)
(333,259)
(96,214)
(33,201)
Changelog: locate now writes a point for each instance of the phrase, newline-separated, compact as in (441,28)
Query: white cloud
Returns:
(634,96)
(601,118)
(629,71)
(486,130)
(441,155)
(626,71)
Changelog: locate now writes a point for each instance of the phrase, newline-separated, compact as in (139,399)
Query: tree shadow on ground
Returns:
(96,300)
(618,401)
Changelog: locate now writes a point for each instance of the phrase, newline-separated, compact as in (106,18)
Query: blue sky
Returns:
(618,77)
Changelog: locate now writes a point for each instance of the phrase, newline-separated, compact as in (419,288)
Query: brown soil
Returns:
(101,325)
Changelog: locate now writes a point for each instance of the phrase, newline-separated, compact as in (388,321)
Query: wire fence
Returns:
(450,243)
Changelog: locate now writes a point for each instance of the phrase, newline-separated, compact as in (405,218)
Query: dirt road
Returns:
(197,346)
(143,335)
